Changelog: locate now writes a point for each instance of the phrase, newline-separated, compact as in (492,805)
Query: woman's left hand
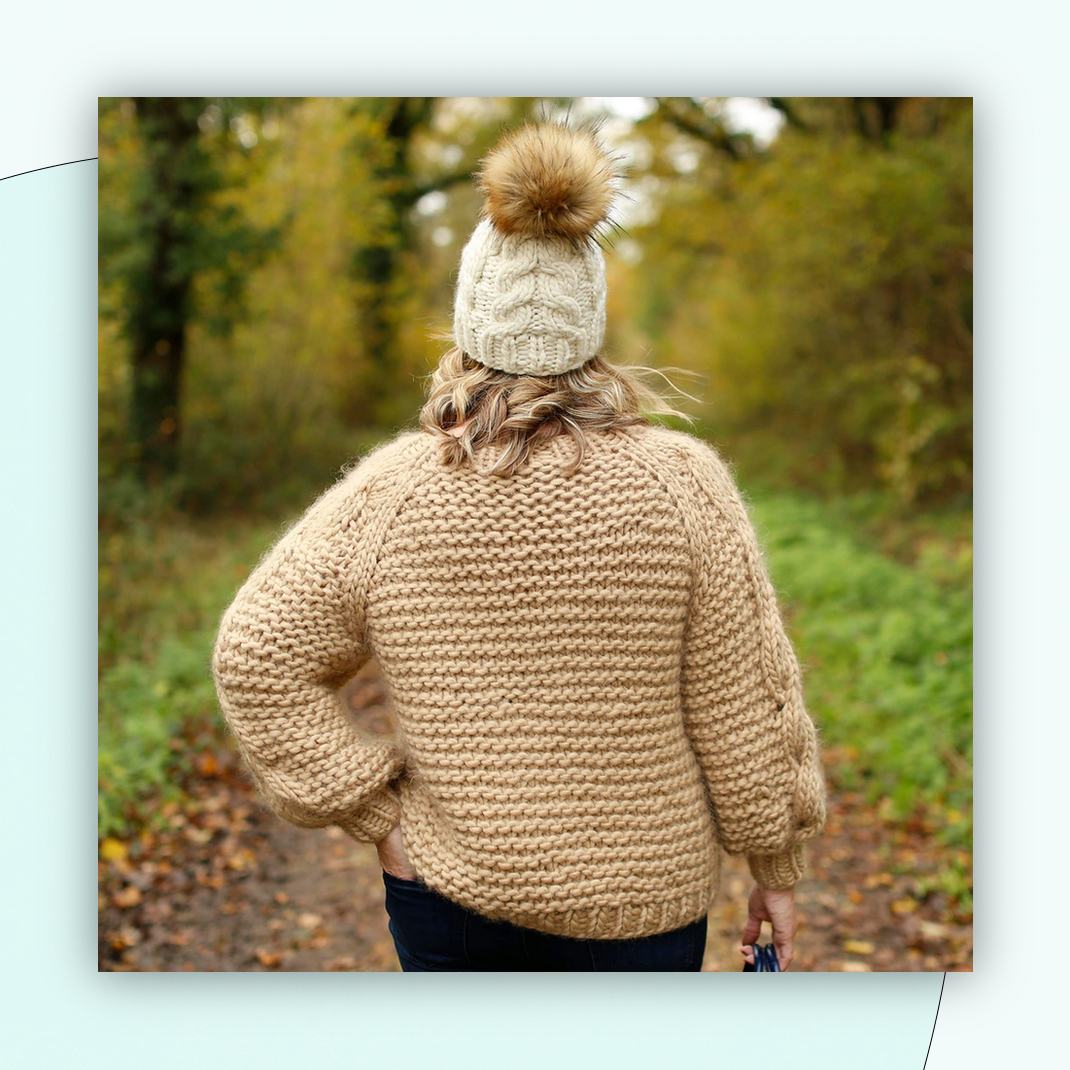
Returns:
(776,906)
(392,856)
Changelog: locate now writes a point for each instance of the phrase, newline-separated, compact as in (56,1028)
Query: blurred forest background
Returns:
(275,278)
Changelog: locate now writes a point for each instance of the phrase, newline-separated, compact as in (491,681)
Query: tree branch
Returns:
(443,182)
(791,116)
(714,135)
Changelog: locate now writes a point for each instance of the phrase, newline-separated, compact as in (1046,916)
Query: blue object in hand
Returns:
(765,960)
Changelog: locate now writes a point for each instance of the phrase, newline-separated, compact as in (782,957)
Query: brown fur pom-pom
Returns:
(548,181)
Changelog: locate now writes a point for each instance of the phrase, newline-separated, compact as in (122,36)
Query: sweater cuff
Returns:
(375,817)
(780,869)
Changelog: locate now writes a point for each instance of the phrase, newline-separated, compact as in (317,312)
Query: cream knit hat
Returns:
(531,294)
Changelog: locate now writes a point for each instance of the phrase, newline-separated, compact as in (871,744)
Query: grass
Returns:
(163,585)
(881,615)
(879,610)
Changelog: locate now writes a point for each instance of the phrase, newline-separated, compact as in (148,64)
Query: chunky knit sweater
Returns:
(594,690)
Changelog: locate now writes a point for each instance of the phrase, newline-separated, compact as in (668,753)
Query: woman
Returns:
(593,685)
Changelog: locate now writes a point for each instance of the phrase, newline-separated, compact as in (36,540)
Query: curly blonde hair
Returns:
(518,411)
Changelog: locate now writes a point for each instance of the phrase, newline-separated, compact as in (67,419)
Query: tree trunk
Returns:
(160,304)
(876,123)
(377,264)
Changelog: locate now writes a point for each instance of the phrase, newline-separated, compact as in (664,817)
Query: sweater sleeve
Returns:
(293,636)
(742,693)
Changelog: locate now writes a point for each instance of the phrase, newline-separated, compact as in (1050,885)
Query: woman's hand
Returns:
(392,856)
(776,906)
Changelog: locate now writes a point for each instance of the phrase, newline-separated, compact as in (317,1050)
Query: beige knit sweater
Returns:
(592,681)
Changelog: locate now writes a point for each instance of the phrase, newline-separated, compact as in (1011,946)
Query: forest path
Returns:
(227,886)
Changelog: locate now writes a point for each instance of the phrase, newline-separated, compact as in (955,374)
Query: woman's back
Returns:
(530,632)
(580,663)
(592,680)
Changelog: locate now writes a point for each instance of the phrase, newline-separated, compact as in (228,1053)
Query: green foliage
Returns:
(173,165)
(825,286)
(172,239)
(286,385)
(143,709)
(886,648)
(164,583)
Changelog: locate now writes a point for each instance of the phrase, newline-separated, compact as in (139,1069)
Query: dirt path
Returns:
(227,886)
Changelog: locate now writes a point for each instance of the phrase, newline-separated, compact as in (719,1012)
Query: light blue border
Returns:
(58,1007)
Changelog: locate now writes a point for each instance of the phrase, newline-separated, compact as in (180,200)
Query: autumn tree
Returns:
(173,231)
(824,283)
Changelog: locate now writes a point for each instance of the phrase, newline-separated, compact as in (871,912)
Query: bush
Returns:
(886,649)
(164,582)
(143,709)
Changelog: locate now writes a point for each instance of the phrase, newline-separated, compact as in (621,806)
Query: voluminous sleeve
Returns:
(293,636)
(741,690)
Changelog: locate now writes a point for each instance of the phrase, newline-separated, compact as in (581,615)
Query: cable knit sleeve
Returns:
(293,636)
(742,693)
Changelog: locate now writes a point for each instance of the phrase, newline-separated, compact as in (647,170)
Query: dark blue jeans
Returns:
(432,933)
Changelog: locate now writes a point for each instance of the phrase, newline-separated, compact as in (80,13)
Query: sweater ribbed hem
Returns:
(370,822)
(781,869)
(610,921)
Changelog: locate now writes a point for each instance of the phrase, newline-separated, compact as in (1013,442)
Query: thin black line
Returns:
(933,1033)
(47,166)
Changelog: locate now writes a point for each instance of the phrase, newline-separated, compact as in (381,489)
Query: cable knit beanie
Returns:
(531,295)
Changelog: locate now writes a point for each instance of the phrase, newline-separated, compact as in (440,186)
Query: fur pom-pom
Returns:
(549,181)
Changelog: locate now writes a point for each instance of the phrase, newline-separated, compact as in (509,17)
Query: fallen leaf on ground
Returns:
(112,850)
(344,962)
(241,859)
(855,967)
(309,921)
(903,906)
(127,936)
(858,947)
(933,929)
(879,879)
(206,764)
(268,958)
(126,897)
